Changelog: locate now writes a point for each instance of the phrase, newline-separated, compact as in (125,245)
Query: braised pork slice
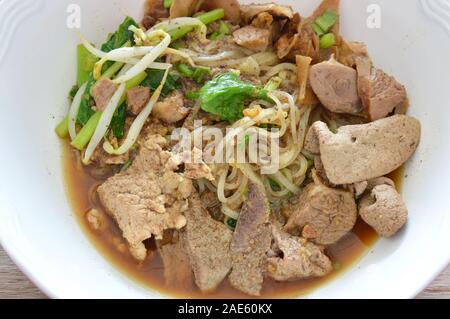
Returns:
(249,12)
(323,214)
(380,93)
(336,86)
(137,98)
(102,92)
(208,246)
(384,210)
(148,198)
(300,259)
(251,241)
(171,109)
(252,38)
(153,11)
(177,267)
(361,152)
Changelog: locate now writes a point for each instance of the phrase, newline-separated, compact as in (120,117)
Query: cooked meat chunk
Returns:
(336,86)
(208,246)
(137,98)
(249,12)
(148,198)
(300,259)
(171,109)
(251,241)
(312,144)
(361,152)
(184,8)
(177,267)
(195,167)
(384,210)
(154,10)
(322,214)
(297,39)
(255,39)
(231,7)
(361,187)
(102,159)
(380,93)
(102,93)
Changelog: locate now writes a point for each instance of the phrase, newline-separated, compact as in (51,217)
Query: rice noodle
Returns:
(138,123)
(277,69)
(104,123)
(73,111)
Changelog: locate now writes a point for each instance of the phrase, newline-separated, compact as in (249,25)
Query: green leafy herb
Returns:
(119,38)
(224,30)
(225,96)
(274,185)
(200,74)
(118,121)
(154,78)
(73,92)
(86,62)
(191,95)
(232,223)
(185,70)
(86,111)
(126,166)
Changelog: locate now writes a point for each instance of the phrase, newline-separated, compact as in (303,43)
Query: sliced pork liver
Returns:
(300,258)
(358,153)
(148,198)
(380,93)
(251,241)
(252,38)
(322,214)
(384,210)
(208,246)
(177,267)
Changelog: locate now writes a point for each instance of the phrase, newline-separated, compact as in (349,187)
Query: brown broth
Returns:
(109,242)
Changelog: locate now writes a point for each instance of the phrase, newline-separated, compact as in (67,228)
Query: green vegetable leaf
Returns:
(232,223)
(121,36)
(118,121)
(118,39)
(154,78)
(86,111)
(73,92)
(225,96)
(86,62)
(274,185)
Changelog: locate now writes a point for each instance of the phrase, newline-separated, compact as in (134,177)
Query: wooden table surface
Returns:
(13,284)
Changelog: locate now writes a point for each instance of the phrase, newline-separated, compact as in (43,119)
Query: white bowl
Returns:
(37,67)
